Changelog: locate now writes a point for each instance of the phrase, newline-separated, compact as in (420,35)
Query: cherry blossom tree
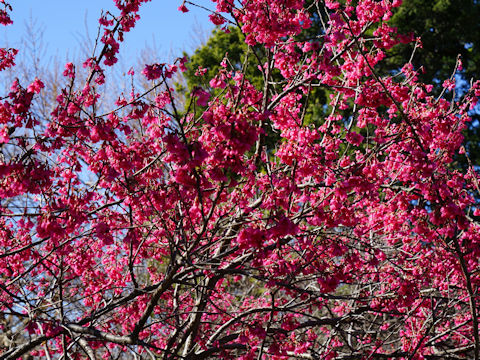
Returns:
(227,226)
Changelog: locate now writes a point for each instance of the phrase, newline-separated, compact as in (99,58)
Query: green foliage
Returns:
(221,44)
(448,28)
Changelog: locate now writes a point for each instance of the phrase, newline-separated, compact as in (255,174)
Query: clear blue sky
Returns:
(63,23)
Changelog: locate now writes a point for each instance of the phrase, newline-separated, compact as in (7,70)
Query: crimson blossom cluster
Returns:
(237,223)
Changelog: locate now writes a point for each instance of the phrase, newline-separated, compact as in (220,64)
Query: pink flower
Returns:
(69,70)
(5,18)
(183,8)
(35,86)
(217,19)
(216,82)
(200,71)
(182,62)
(354,138)
(202,96)
(7,58)
(449,84)
(153,71)
(4,138)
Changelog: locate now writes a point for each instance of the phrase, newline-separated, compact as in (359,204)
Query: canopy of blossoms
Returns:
(227,225)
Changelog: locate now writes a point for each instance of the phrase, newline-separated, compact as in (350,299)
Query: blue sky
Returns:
(64,24)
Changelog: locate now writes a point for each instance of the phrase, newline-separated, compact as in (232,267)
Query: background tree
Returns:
(448,30)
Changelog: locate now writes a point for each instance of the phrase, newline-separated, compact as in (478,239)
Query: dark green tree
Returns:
(229,45)
(447,28)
